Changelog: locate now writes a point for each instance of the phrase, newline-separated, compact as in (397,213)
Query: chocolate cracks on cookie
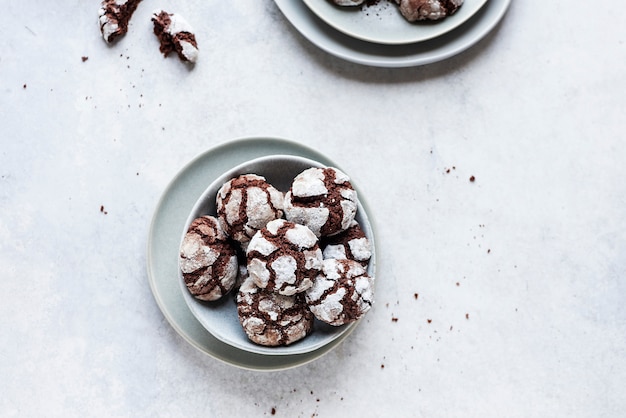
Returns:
(175,35)
(207,259)
(284,257)
(272,319)
(246,204)
(323,199)
(114,16)
(342,293)
(351,244)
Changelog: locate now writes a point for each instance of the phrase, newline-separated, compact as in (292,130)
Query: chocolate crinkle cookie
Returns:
(342,293)
(323,199)
(246,204)
(272,319)
(416,10)
(114,16)
(208,260)
(284,257)
(351,244)
(175,35)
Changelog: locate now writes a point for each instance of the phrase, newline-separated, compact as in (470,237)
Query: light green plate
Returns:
(169,220)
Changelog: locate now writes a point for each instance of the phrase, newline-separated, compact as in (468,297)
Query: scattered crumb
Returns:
(488,251)
(466,316)
(472,179)
(416,295)
(24,85)
(102,210)
(382,366)
(429,320)
(394,319)
(273,412)
(83,58)
(458,284)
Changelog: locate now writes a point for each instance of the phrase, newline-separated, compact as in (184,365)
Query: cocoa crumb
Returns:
(382,366)
(24,86)
(458,284)
(488,251)
(394,319)
(83,58)
(102,210)
(273,412)
(416,295)
(466,316)
(429,320)
(472,179)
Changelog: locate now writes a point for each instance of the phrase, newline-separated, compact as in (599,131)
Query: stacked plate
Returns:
(213,327)
(378,35)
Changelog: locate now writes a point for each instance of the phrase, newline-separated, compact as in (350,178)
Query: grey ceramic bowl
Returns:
(220,317)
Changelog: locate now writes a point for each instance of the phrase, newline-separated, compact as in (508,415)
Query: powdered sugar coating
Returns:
(351,244)
(323,199)
(272,319)
(246,204)
(207,260)
(284,257)
(342,293)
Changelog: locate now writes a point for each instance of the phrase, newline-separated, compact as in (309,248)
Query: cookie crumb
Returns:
(466,316)
(416,295)
(24,86)
(394,319)
(273,411)
(84,58)
(102,210)
(472,179)
(429,320)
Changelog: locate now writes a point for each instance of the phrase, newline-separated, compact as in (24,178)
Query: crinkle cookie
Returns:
(322,199)
(284,257)
(246,204)
(271,319)
(175,35)
(207,260)
(415,10)
(342,294)
(351,244)
(114,16)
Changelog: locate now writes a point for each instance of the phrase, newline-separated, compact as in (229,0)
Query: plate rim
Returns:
(448,24)
(393,56)
(207,343)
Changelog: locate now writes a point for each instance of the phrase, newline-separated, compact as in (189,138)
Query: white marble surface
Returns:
(520,274)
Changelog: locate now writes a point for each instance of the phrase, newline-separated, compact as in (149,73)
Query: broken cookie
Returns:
(175,35)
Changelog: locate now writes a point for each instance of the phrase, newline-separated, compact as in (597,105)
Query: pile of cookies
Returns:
(291,257)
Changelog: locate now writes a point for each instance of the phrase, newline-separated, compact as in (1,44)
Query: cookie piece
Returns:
(271,319)
(342,294)
(284,257)
(351,244)
(246,204)
(322,199)
(114,16)
(175,35)
(208,260)
(417,10)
